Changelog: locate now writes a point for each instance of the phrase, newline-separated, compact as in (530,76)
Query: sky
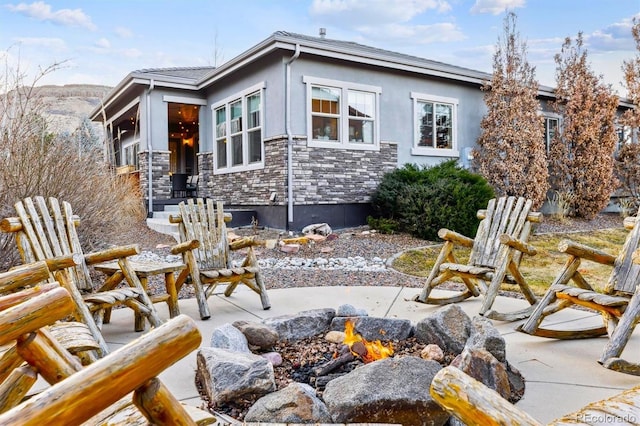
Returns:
(101,41)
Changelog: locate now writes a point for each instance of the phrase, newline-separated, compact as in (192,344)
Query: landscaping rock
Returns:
(432,352)
(374,328)
(258,335)
(273,357)
(392,390)
(297,403)
(302,325)
(317,228)
(347,310)
(484,367)
(486,336)
(449,327)
(229,337)
(334,336)
(226,375)
(290,248)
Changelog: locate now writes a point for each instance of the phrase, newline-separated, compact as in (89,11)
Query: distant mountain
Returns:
(66,106)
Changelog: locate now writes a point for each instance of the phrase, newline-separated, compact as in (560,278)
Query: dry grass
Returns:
(539,270)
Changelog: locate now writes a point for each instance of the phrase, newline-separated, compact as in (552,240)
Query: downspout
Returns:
(287,113)
(150,148)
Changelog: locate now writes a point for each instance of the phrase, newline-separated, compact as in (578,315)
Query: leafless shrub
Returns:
(627,206)
(34,161)
(562,203)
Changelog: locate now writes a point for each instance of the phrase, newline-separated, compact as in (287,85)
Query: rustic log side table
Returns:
(144,270)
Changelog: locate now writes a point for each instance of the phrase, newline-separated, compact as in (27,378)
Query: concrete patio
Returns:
(561,376)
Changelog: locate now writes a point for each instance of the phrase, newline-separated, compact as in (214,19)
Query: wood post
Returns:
(474,403)
(103,383)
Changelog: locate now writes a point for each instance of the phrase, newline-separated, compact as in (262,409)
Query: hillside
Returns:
(66,106)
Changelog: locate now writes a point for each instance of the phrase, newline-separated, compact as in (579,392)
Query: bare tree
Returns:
(627,162)
(511,150)
(581,154)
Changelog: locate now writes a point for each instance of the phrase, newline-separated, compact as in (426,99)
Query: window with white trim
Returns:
(551,127)
(342,114)
(238,132)
(435,125)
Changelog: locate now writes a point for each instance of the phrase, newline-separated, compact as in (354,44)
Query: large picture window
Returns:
(238,130)
(342,115)
(435,121)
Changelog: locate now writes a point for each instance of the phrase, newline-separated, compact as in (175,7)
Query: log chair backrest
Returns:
(205,223)
(505,215)
(49,230)
(625,273)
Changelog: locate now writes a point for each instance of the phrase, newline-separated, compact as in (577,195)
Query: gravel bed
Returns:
(354,256)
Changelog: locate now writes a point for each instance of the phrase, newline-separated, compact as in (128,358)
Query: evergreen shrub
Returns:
(420,200)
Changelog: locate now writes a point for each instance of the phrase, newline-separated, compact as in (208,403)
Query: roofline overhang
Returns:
(355,54)
(140,79)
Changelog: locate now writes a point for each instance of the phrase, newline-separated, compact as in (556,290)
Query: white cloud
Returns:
(123,32)
(495,7)
(371,12)
(42,11)
(615,37)
(51,43)
(414,34)
(102,43)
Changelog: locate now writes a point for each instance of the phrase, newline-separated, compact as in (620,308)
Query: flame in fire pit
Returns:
(359,346)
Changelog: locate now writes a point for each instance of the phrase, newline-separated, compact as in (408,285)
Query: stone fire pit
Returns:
(239,366)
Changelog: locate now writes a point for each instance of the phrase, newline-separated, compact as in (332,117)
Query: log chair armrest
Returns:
(63,262)
(518,244)
(184,247)
(243,242)
(585,252)
(474,403)
(455,237)
(228,217)
(111,254)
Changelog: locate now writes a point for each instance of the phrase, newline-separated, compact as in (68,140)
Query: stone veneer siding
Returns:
(321,175)
(160,174)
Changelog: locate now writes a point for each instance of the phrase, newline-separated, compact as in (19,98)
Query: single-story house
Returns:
(296,130)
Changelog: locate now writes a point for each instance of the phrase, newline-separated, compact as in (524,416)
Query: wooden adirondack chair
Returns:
(44,231)
(475,404)
(205,249)
(618,303)
(495,257)
(95,394)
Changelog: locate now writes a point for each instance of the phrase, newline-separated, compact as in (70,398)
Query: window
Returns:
(238,132)
(130,156)
(434,125)
(342,115)
(624,136)
(550,129)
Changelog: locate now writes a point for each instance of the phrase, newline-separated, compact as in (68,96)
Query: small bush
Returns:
(421,200)
(382,224)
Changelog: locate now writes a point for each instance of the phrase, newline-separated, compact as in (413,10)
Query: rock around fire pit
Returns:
(296,368)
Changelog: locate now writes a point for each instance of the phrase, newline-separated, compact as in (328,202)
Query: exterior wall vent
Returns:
(323,32)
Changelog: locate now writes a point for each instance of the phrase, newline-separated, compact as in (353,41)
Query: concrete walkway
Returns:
(561,376)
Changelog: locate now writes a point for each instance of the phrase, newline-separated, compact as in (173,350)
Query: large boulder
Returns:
(258,335)
(229,337)
(303,324)
(297,403)
(486,336)
(375,328)
(449,327)
(484,367)
(227,375)
(392,390)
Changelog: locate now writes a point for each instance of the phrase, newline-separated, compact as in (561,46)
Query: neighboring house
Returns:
(297,129)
